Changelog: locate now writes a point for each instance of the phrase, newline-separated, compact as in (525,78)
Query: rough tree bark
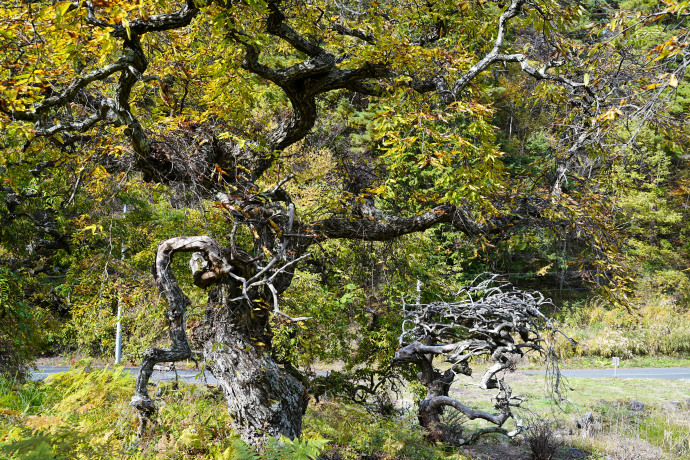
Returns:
(437,386)
(263,398)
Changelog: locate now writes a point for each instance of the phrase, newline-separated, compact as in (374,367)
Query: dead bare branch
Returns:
(488,318)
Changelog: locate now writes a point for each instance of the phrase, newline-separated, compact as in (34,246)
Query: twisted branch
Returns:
(177,308)
(489,318)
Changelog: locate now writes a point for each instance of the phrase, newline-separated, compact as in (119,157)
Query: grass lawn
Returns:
(619,426)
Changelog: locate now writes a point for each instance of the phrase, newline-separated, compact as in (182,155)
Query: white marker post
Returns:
(118,333)
(616,361)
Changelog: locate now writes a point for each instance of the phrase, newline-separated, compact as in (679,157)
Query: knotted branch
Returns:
(177,308)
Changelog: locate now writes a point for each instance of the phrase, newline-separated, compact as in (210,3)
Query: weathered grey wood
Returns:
(489,318)
(177,308)
(263,398)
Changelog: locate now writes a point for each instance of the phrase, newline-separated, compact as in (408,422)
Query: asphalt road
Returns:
(187,375)
(193,375)
(669,373)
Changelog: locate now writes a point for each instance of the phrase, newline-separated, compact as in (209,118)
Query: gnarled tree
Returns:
(489,319)
(213,96)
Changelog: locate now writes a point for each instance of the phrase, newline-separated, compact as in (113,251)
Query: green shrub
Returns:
(355,433)
(85,415)
(20,326)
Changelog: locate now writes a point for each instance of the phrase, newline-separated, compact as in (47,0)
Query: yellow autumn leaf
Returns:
(378,190)
(542,271)
(43,422)
(125,24)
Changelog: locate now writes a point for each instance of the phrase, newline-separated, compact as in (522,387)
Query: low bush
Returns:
(542,440)
(85,415)
(355,434)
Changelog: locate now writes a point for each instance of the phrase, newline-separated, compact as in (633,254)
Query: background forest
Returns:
(574,185)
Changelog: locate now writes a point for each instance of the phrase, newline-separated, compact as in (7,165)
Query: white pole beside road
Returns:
(118,334)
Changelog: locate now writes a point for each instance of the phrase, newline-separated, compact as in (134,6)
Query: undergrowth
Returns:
(85,415)
(355,434)
(652,433)
(655,326)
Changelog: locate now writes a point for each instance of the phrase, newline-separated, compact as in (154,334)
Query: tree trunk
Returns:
(653,230)
(437,400)
(263,398)
(437,385)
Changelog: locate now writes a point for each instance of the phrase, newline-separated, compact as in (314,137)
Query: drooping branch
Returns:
(303,104)
(70,92)
(301,82)
(497,419)
(177,307)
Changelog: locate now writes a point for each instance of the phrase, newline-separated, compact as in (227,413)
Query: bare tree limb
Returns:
(488,318)
(177,307)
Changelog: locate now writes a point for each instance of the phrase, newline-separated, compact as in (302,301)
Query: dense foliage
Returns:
(350,153)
